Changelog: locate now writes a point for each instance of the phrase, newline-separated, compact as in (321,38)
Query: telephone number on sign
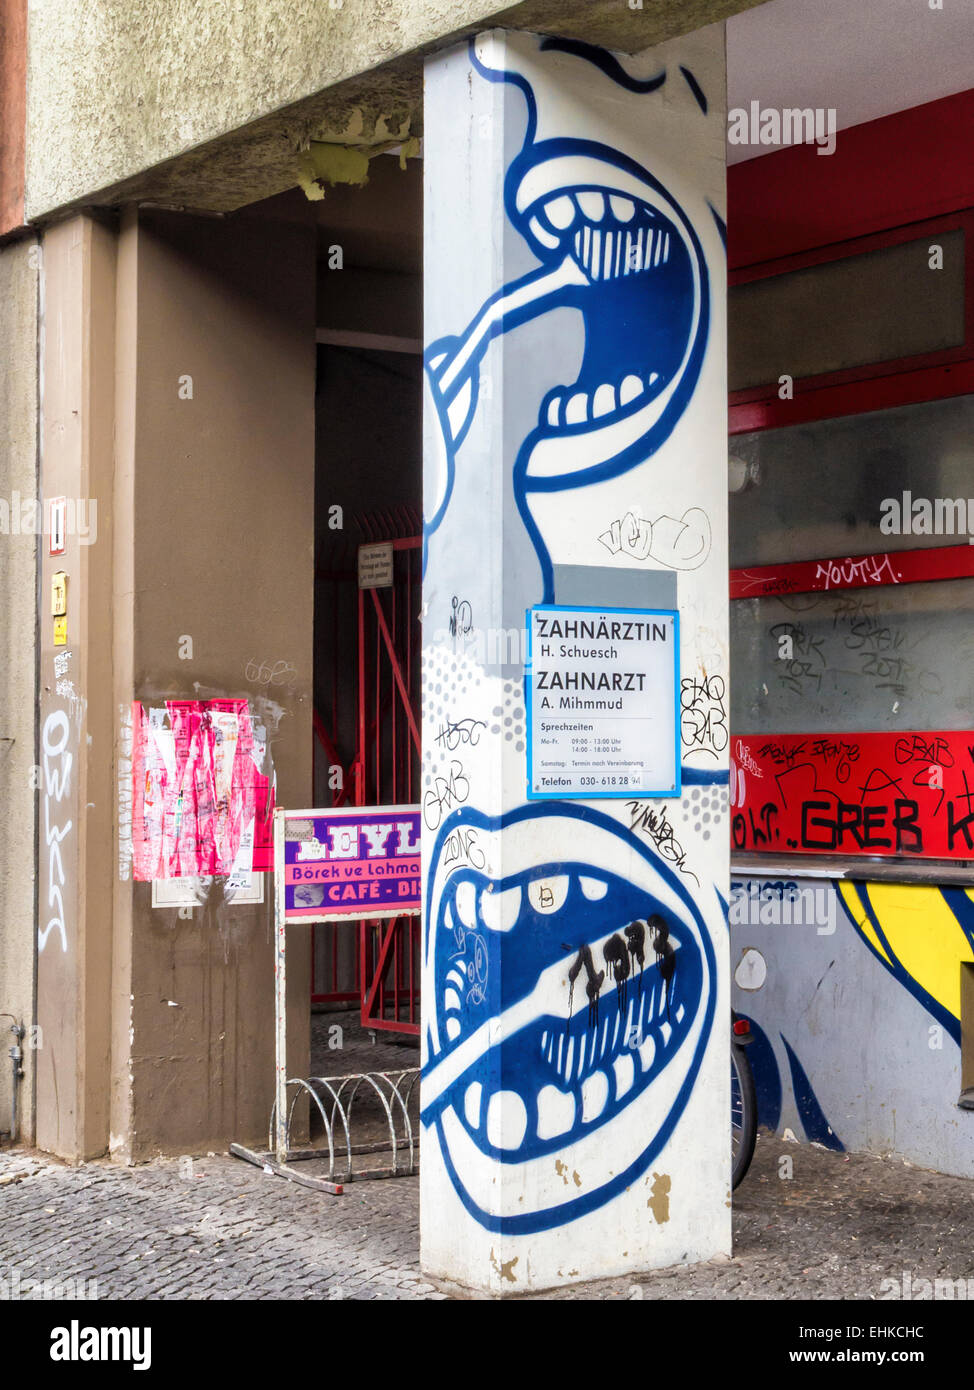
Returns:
(609,781)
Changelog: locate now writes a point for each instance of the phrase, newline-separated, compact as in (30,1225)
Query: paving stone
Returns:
(839,1227)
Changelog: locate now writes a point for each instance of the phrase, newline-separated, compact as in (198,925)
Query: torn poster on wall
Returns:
(203,790)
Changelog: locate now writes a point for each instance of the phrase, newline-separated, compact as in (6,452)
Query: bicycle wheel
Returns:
(744,1114)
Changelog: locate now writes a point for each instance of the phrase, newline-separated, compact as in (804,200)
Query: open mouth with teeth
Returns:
(616,1001)
(638,305)
(604,1001)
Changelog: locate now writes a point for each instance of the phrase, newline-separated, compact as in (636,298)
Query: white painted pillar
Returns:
(575,1095)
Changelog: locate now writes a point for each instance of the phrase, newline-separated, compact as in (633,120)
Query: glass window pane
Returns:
(874,307)
(899,657)
(817,490)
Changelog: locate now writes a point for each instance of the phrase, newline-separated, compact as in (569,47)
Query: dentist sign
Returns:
(602,699)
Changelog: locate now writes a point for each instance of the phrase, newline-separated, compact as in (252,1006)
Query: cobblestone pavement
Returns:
(836,1229)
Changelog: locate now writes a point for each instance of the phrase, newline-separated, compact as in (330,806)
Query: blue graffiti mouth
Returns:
(495,1085)
(637,307)
(628,977)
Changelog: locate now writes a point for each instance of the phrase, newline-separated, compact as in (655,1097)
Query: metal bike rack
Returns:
(335,1097)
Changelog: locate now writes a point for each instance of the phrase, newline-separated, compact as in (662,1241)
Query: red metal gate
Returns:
(381,968)
(387,772)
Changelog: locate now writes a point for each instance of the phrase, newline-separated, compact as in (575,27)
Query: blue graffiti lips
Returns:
(637,306)
(607,1000)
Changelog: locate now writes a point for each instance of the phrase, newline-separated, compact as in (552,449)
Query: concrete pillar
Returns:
(19,293)
(178,423)
(575,1096)
(76,792)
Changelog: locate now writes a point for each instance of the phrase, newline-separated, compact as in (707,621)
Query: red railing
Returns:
(378,962)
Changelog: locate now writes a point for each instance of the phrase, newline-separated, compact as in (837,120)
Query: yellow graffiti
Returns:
(921,932)
(861,918)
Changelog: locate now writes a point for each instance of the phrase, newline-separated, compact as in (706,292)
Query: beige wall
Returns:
(216,99)
(19,292)
(223,546)
(158,1028)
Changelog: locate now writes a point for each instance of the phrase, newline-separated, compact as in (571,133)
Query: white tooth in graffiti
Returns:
(595,1093)
(659,248)
(507,1120)
(653,376)
(586,245)
(451,1000)
(592,205)
(609,258)
(569,1058)
(666,248)
(591,1051)
(648,255)
(554,411)
(627,254)
(631,387)
(623,209)
(666,1031)
(641,1014)
(662,1003)
(615,1031)
(556,1112)
(548,894)
(603,403)
(605,1034)
(647,1051)
(561,1043)
(500,910)
(625,1072)
(636,260)
(466,903)
(679,1014)
(471,1104)
(594,888)
(560,212)
(550,1047)
(452,1028)
(544,1038)
(540,234)
(627,1030)
(596,254)
(576,411)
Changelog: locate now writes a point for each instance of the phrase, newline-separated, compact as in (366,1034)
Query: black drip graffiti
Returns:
(665,954)
(636,937)
(593,984)
(623,960)
(617,961)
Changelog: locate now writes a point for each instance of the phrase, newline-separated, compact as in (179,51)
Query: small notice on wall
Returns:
(375,566)
(602,702)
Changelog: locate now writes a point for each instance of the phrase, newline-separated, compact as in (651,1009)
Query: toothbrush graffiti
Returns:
(616,246)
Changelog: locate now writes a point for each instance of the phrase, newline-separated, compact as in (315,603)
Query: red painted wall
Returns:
(914,165)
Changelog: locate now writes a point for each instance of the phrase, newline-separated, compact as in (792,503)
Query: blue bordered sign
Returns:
(603,700)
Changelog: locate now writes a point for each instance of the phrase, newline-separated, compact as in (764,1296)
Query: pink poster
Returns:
(202,795)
